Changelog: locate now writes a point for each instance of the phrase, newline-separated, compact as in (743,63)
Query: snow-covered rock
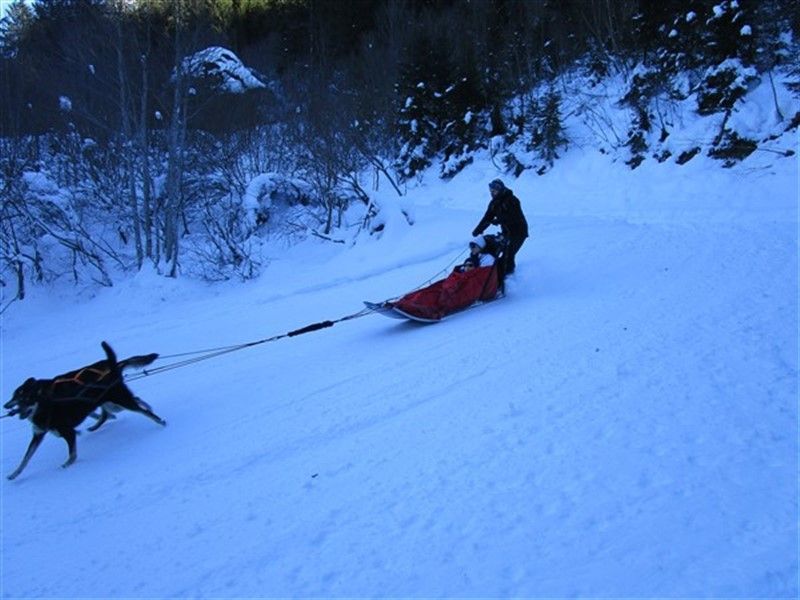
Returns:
(221,70)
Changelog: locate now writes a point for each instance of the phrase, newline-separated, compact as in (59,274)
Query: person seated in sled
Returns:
(473,280)
(479,256)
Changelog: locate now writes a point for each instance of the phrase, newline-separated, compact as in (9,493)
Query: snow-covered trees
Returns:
(159,115)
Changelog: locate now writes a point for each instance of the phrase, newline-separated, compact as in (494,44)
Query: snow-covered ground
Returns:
(623,424)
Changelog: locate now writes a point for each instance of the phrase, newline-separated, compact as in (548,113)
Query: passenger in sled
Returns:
(477,278)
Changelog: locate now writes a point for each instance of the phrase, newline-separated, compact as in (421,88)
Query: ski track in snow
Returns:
(622,424)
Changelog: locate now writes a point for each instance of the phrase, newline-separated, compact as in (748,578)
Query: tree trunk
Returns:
(775,96)
(147,179)
(175,162)
(126,107)
(20,269)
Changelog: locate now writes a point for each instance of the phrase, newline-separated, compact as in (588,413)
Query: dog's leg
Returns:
(126,399)
(144,408)
(38,436)
(69,436)
(104,416)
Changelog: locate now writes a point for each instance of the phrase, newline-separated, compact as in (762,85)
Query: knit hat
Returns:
(479,241)
(496,185)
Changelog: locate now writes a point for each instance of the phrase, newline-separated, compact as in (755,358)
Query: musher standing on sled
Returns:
(505,210)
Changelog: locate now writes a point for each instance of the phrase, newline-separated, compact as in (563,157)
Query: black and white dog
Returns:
(62,403)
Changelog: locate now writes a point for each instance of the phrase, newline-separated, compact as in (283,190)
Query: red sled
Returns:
(458,291)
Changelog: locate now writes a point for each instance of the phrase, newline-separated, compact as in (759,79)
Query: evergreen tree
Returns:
(548,132)
(425,77)
(729,32)
(774,23)
(14,26)
(416,129)
(463,125)
(650,26)
(681,40)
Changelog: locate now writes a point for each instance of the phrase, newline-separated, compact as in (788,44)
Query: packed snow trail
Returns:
(622,424)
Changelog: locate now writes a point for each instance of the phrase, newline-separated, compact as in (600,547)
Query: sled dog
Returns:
(60,404)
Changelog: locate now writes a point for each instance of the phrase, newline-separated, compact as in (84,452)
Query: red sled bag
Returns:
(458,291)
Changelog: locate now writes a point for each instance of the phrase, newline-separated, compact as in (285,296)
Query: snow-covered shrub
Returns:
(732,148)
(47,234)
(454,163)
(637,144)
(20,259)
(228,229)
(644,86)
(687,155)
(270,191)
(511,164)
(225,247)
(504,151)
(388,214)
(723,85)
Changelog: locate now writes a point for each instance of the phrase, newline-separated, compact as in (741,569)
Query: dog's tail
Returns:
(138,361)
(110,354)
(141,360)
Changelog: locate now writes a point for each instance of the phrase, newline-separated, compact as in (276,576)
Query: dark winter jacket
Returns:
(504,210)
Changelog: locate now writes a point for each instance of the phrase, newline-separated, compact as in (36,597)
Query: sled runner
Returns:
(384,308)
(387,310)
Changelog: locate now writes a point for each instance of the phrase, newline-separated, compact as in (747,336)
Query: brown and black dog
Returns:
(62,403)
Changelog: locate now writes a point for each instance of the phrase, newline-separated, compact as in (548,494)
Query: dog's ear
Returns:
(29,388)
(22,392)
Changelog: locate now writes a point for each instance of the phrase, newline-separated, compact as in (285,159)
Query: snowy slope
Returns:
(623,424)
